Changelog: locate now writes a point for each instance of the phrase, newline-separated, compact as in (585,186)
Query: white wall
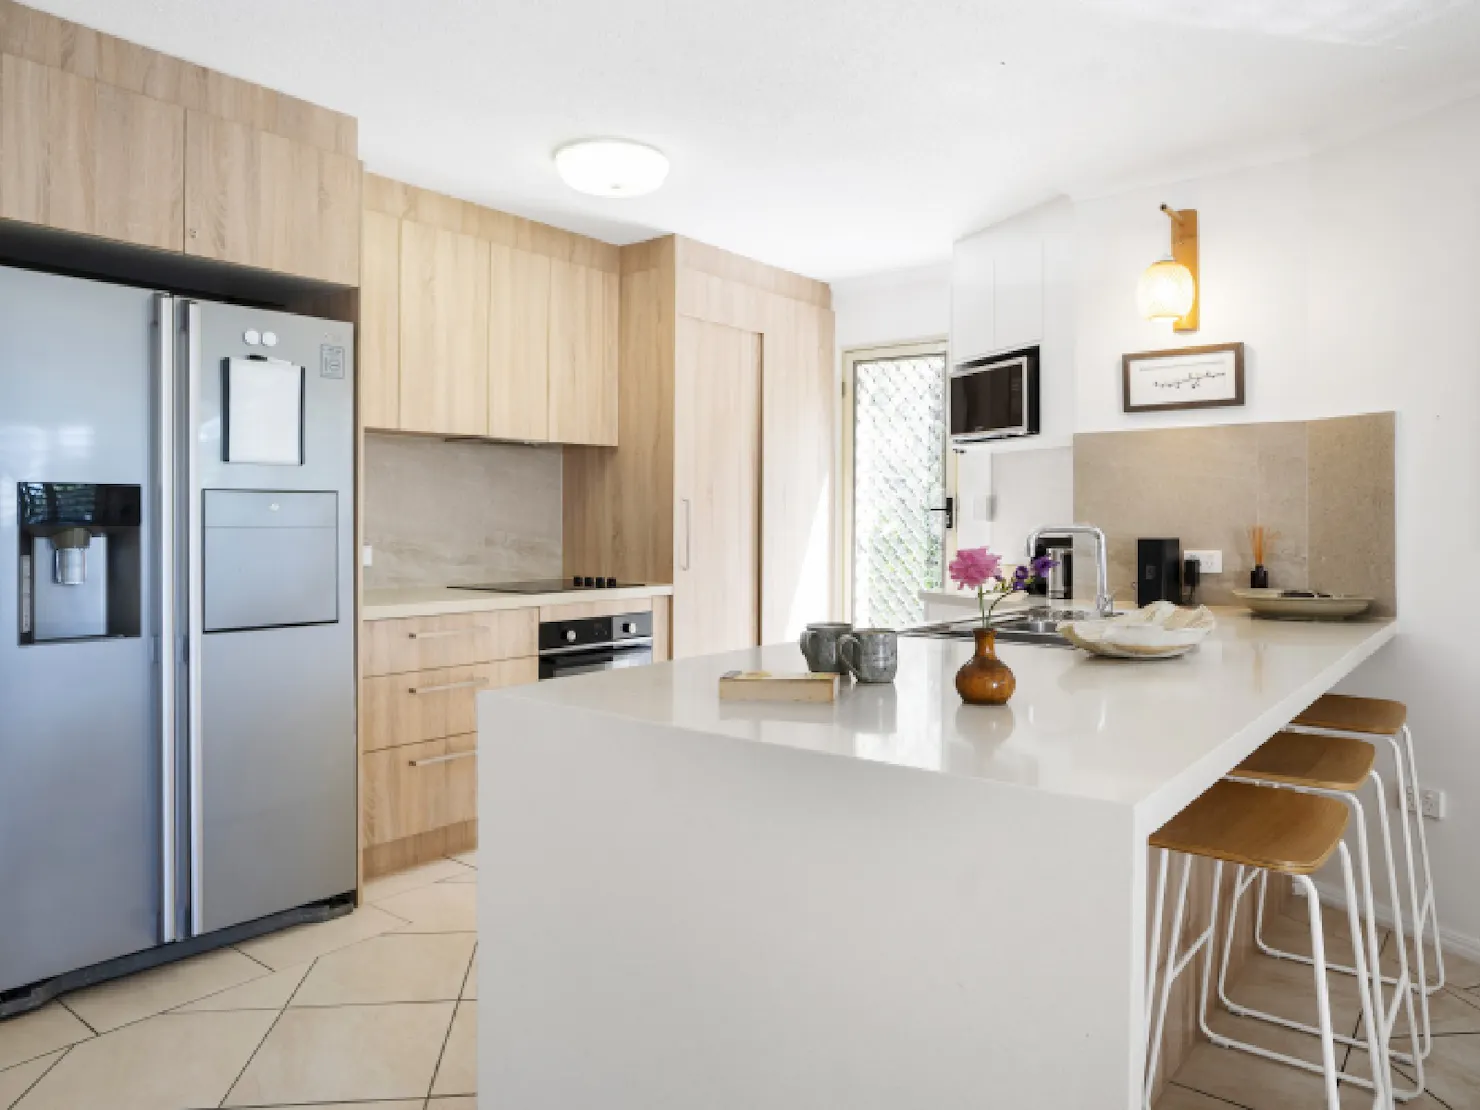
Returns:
(1351,277)
(893,308)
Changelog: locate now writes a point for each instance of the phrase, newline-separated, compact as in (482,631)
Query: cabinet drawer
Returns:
(428,705)
(454,640)
(418,787)
(583,610)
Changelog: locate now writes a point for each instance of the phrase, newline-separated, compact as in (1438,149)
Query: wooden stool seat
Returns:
(1341,713)
(1275,830)
(1307,759)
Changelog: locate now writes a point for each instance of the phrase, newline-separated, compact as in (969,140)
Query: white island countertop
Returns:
(891,901)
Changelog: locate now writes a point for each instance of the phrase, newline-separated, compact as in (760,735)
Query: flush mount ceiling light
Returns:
(1167,291)
(611,167)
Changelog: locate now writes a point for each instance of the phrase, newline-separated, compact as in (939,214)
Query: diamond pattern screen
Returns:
(898,476)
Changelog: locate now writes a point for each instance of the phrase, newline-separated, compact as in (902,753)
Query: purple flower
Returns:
(974,567)
(1020,578)
(1043,564)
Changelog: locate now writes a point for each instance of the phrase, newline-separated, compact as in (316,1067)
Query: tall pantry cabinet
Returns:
(722,480)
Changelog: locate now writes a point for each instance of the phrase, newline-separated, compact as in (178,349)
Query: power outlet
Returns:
(1210,562)
(1431,803)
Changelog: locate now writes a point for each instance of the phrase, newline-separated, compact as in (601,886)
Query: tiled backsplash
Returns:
(1324,488)
(440,513)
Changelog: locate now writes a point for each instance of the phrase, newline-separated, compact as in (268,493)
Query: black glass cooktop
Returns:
(551,585)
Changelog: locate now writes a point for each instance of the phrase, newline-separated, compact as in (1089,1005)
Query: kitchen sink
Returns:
(1022,626)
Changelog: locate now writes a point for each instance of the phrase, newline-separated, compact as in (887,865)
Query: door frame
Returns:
(847,415)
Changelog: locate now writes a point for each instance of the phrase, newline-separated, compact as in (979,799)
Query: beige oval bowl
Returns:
(1269,603)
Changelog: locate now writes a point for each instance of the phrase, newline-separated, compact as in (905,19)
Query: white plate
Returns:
(1160,631)
(1269,603)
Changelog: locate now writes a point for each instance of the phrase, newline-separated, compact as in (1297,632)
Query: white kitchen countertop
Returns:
(434,601)
(1151,735)
(894,900)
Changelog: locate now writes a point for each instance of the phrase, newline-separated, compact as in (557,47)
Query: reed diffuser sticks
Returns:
(1259,537)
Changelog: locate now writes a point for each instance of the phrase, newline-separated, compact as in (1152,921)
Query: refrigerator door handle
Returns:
(165,494)
(195,602)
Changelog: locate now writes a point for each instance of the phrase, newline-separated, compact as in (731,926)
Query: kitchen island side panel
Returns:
(674,919)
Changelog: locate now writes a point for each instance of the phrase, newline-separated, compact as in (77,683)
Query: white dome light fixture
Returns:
(611,167)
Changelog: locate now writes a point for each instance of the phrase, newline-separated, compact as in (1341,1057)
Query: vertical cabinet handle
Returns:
(688,514)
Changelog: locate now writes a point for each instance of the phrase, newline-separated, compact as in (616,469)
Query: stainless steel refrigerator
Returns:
(177,699)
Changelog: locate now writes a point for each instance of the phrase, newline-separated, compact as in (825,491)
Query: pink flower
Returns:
(974,567)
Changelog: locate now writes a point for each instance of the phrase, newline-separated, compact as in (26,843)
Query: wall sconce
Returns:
(1168,289)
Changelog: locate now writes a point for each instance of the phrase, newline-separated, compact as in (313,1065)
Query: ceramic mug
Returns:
(870,654)
(819,644)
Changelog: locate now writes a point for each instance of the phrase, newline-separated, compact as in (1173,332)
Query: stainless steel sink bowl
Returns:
(1023,626)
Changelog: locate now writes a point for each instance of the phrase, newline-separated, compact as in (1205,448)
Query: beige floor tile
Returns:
(469,857)
(1287,988)
(468,875)
(270,992)
(1259,1084)
(1358,1064)
(1290,931)
(1184,1098)
(470,984)
(346,1053)
(1452,1071)
(377,890)
(396,967)
(16,1081)
(1460,972)
(440,908)
(169,1062)
(39,1032)
(458,1072)
(456,1102)
(305,942)
(146,993)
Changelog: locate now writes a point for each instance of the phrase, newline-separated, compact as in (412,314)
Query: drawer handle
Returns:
(441,758)
(448,686)
(440,635)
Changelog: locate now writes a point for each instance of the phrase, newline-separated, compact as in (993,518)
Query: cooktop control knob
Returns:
(570,637)
(576,580)
(611,583)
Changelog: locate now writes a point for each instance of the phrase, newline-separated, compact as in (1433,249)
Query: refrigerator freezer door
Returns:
(274,749)
(80,804)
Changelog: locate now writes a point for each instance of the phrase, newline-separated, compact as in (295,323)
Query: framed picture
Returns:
(1185,378)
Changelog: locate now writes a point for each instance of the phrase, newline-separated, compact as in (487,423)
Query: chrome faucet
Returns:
(1104,601)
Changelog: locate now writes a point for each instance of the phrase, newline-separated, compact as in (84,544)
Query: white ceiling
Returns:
(832,137)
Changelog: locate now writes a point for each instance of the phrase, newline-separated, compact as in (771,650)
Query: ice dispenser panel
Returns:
(270,559)
(79,561)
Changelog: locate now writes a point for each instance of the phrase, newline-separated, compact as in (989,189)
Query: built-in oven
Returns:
(589,644)
(995,397)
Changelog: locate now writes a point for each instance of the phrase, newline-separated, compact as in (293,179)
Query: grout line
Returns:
(62,1002)
(463,990)
(1215,1098)
(441,1052)
(232,1085)
(47,1071)
(367,1005)
(251,957)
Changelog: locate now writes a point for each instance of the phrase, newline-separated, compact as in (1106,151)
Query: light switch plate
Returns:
(1210,562)
(367,556)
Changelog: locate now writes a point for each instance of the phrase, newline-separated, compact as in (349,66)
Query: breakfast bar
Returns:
(894,900)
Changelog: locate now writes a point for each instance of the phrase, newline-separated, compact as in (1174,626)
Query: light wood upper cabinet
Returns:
(444,331)
(259,199)
(583,354)
(80,155)
(380,321)
(518,344)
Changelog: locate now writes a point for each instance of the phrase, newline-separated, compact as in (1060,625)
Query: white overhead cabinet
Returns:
(996,292)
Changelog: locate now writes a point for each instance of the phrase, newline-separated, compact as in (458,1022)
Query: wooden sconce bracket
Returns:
(1184,250)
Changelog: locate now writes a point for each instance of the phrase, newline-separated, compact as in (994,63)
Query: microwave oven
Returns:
(995,397)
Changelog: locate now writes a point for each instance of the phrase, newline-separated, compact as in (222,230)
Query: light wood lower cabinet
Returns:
(415,788)
(425,705)
(426,643)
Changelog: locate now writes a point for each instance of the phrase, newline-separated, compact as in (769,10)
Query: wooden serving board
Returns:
(766,686)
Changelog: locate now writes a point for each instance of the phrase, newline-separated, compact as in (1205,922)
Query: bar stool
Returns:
(1284,832)
(1333,767)
(1369,719)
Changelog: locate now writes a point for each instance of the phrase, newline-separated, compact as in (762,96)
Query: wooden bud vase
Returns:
(985,679)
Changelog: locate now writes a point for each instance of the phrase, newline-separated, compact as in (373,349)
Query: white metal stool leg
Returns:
(1427,913)
(1375,1044)
(1402,1001)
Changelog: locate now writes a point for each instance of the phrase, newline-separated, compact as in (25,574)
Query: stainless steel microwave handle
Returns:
(448,758)
(169,650)
(688,516)
(442,634)
(448,686)
(195,608)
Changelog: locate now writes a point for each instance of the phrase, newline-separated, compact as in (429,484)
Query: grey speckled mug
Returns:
(819,643)
(870,654)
